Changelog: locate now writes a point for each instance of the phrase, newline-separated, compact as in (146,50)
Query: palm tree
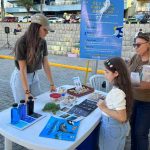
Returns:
(2,9)
(28,4)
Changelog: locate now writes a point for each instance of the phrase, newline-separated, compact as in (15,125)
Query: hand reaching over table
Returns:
(52,88)
(101,105)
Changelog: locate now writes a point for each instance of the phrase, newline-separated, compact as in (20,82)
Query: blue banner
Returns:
(101,29)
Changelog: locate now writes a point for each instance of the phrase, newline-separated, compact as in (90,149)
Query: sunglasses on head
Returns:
(137,45)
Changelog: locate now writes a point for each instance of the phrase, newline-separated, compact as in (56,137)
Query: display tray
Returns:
(86,90)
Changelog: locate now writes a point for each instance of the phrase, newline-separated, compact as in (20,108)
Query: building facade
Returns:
(58,7)
(48,6)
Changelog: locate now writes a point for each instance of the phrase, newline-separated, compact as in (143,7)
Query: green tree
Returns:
(28,4)
(2,9)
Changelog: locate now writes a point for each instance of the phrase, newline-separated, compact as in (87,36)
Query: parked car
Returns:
(138,18)
(77,18)
(55,20)
(142,17)
(10,19)
(131,20)
(24,19)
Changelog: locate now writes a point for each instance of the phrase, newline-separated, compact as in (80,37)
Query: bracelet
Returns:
(27,92)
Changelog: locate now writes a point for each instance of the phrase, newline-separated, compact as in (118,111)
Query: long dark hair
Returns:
(32,40)
(122,81)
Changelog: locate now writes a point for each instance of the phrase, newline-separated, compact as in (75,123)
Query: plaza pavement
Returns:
(61,76)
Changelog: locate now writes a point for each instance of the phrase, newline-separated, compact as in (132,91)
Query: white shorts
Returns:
(17,88)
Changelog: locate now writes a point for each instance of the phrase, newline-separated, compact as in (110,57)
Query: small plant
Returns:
(51,107)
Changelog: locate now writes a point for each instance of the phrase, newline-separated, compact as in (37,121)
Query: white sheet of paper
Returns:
(77,83)
(135,78)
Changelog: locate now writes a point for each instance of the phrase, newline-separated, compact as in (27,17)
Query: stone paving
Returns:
(61,76)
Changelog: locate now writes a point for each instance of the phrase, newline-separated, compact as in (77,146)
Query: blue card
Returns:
(29,119)
(21,124)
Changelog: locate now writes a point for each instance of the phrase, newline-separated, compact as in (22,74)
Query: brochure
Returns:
(68,116)
(84,108)
(61,129)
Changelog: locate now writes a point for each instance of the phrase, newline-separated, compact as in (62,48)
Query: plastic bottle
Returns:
(30,105)
(22,109)
(15,117)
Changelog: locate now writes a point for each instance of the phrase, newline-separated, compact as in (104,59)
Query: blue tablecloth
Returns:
(91,142)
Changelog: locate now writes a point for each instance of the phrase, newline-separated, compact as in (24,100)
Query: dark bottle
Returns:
(15,117)
(22,109)
(30,105)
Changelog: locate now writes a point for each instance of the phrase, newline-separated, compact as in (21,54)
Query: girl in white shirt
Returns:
(116,108)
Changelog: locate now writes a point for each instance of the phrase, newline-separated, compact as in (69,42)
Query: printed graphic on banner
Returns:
(101,29)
